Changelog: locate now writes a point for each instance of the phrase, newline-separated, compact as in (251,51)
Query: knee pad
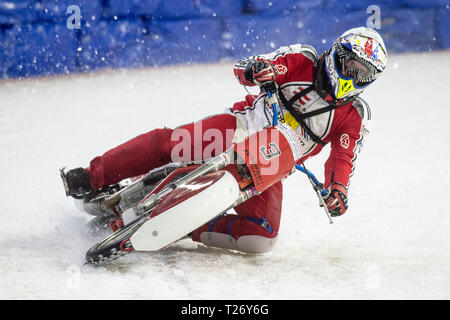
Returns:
(256,244)
(249,244)
(218,240)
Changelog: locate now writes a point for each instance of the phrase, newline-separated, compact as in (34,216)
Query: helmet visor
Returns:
(361,72)
(351,66)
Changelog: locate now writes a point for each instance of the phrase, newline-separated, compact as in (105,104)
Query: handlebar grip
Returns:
(269,86)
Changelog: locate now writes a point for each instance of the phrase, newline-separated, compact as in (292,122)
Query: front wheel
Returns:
(115,245)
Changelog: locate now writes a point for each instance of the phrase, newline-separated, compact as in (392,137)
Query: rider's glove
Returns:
(260,71)
(336,199)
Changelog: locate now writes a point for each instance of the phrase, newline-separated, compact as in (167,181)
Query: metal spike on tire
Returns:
(115,245)
(113,254)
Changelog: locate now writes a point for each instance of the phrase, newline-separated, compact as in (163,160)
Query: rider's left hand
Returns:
(336,199)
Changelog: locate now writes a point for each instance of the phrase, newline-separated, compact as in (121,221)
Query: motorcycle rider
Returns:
(320,100)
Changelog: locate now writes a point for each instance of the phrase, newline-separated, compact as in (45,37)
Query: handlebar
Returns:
(270,88)
(313,178)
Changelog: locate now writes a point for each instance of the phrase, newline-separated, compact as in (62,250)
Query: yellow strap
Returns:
(290,120)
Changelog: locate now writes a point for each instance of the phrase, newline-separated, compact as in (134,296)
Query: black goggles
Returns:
(350,65)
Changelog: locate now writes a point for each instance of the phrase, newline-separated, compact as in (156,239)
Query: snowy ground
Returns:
(392,244)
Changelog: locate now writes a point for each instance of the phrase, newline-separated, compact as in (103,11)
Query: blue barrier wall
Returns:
(35,39)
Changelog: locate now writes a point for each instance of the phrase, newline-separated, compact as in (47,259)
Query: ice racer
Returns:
(321,101)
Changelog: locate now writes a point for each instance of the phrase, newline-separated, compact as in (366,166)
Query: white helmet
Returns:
(354,61)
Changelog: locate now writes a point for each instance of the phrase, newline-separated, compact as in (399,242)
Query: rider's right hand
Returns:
(260,71)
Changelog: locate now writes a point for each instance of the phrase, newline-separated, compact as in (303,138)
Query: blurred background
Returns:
(50,37)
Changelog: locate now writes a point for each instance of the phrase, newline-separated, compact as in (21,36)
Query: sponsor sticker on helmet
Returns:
(345,86)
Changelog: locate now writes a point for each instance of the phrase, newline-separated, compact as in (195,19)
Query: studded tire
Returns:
(115,245)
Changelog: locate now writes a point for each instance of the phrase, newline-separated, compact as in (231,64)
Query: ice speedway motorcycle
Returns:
(150,212)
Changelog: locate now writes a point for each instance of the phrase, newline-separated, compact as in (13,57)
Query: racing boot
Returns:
(76,182)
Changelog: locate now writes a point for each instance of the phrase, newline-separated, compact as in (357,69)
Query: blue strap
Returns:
(213,221)
(263,223)
(229,225)
(274,109)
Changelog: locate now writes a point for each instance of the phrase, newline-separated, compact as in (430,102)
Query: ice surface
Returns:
(392,244)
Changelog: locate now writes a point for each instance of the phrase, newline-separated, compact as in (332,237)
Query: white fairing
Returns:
(187,216)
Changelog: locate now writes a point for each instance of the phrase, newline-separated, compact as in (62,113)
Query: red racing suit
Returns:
(257,222)
(343,127)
